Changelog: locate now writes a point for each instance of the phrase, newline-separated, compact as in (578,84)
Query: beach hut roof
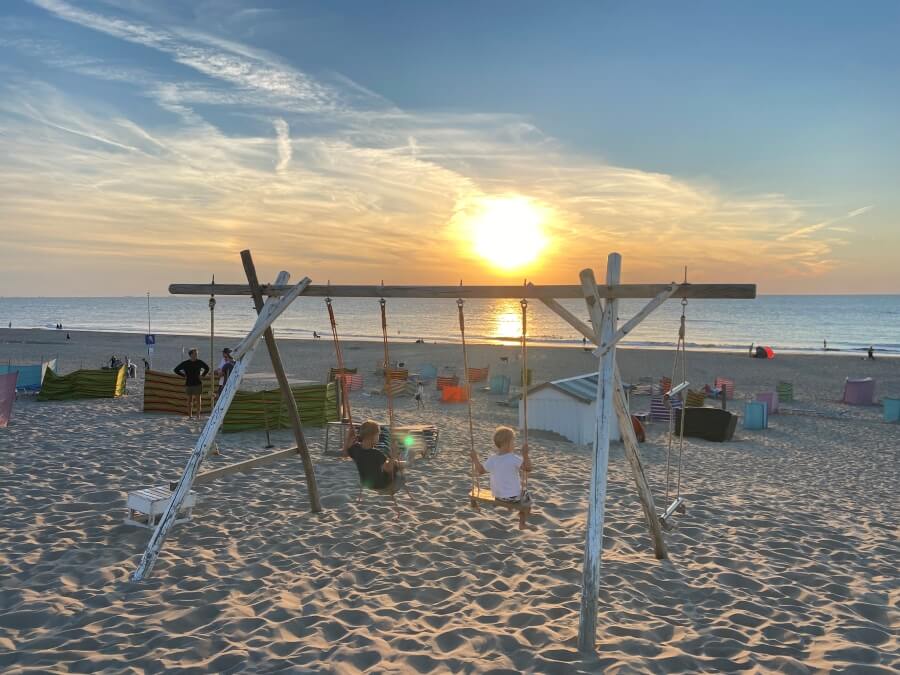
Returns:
(580,387)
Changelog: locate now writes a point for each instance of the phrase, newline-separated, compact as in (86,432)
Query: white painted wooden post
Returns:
(213,424)
(604,327)
(632,453)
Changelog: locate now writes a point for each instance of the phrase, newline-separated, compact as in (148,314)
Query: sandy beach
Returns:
(786,560)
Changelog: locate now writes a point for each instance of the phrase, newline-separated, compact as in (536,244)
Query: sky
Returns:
(146,142)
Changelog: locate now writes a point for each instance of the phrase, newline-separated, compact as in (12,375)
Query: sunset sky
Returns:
(146,142)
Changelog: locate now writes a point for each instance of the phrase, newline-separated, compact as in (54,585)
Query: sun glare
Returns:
(506,231)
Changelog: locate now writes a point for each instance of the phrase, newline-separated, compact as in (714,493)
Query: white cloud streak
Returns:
(359,189)
(285,151)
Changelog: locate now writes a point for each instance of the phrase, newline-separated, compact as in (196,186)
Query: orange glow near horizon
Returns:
(507,232)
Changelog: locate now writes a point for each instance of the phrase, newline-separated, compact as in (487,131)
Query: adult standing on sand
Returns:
(226,365)
(193,370)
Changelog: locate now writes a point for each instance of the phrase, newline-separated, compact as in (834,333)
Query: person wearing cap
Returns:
(226,365)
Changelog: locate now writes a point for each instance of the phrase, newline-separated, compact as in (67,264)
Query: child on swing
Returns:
(504,468)
(375,470)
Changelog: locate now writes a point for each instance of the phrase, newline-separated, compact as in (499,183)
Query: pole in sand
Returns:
(212,348)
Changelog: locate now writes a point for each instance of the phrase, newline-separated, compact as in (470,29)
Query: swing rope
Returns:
(476,483)
(387,380)
(346,415)
(679,352)
(476,486)
(525,384)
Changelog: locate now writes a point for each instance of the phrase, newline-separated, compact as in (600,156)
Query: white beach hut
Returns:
(566,407)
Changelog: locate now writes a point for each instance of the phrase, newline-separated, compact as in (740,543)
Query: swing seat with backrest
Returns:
(371,474)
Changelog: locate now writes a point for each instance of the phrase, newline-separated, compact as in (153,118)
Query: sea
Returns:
(787,323)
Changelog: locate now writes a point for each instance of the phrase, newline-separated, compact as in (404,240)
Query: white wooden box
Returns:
(145,506)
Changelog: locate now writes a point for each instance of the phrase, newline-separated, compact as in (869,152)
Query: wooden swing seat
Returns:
(484,496)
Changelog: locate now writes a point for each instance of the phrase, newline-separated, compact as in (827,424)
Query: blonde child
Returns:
(504,468)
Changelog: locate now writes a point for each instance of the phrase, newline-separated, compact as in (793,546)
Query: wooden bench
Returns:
(417,439)
(145,506)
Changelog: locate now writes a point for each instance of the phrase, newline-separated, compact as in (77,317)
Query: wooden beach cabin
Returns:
(567,407)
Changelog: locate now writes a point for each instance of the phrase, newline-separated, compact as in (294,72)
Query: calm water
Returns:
(796,323)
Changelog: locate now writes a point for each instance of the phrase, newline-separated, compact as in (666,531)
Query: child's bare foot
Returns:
(525,526)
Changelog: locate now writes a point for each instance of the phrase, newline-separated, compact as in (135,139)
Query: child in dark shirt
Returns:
(376,470)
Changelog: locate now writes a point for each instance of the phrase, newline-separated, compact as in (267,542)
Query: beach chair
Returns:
(427,372)
(695,399)
(859,391)
(659,412)
(770,398)
(756,415)
(443,381)
(478,374)
(644,387)
(400,388)
(785,392)
(352,382)
(891,409)
(334,372)
(723,384)
(665,384)
(499,384)
(421,439)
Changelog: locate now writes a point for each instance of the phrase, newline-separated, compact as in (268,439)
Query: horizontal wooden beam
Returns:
(239,467)
(559,291)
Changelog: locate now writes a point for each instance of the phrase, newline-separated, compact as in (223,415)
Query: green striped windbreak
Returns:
(104,383)
(318,404)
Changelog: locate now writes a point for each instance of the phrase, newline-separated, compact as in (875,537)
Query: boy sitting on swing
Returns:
(504,467)
(375,471)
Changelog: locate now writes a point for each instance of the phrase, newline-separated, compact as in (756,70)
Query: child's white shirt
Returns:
(504,471)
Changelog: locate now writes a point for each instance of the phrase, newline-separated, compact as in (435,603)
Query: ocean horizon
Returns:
(790,323)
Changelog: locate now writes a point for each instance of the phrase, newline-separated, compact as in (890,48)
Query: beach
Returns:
(786,559)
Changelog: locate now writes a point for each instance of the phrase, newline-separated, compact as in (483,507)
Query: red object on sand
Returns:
(639,432)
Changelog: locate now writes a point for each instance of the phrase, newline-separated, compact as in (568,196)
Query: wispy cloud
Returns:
(285,151)
(808,230)
(358,186)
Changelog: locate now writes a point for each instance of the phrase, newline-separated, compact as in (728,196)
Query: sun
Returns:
(507,232)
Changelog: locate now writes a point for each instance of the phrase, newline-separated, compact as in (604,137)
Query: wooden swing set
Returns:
(602,304)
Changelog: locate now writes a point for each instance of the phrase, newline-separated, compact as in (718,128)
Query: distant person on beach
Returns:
(825,345)
(420,395)
(376,471)
(68,337)
(871,353)
(193,370)
(226,365)
(504,468)
(584,344)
